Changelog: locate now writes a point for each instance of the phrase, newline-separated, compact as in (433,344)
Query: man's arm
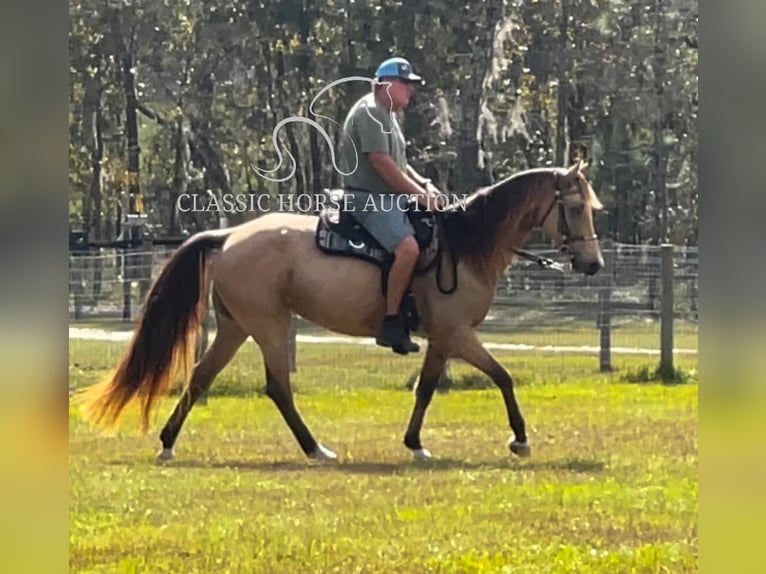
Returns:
(422,181)
(395,177)
(419,179)
(375,143)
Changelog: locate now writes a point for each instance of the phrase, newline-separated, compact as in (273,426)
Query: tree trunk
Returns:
(94,142)
(292,142)
(348,68)
(660,159)
(203,141)
(93,124)
(97,185)
(135,201)
(562,143)
(468,175)
(182,155)
(307,17)
(180,174)
(282,96)
(213,160)
(576,125)
(126,70)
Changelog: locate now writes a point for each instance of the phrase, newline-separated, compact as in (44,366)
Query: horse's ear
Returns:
(573,170)
(585,164)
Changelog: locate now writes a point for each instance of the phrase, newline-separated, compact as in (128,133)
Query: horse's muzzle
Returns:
(594,267)
(588,267)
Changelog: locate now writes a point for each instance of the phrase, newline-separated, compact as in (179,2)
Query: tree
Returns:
(511,84)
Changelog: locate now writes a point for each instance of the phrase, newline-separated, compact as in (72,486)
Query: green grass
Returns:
(611,485)
(332,368)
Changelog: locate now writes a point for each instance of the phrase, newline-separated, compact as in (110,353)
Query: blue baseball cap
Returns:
(397,68)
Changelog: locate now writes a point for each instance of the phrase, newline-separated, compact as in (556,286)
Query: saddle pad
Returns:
(338,233)
(348,239)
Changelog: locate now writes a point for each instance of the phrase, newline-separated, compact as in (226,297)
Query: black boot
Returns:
(393,335)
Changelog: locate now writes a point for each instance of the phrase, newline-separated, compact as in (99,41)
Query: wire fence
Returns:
(616,316)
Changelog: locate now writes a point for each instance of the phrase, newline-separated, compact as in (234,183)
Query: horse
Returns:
(263,271)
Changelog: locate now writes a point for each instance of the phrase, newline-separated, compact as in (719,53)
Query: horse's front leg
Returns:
(433,367)
(469,348)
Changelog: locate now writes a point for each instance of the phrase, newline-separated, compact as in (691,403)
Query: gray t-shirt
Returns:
(372,127)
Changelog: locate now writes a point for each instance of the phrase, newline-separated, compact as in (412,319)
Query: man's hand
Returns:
(435,198)
(432,201)
(387,169)
(408,182)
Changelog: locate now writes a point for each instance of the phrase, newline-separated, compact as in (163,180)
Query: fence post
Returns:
(145,264)
(127,277)
(693,288)
(78,246)
(666,329)
(651,261)
(605,308)
(77,282)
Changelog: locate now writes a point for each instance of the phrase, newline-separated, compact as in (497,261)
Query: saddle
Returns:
(338,233)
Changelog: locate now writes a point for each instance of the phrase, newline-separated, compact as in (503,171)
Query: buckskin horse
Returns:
(263,271)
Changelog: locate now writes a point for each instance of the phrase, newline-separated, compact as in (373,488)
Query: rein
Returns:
(542,262)
(438,260)
(563,229)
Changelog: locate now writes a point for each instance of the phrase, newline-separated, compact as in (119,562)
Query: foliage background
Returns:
(173,96)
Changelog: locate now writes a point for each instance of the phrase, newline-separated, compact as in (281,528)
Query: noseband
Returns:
(563,224)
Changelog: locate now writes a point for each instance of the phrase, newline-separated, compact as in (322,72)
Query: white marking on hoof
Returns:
(421,454)
(322,453)
(165,454)
(521,449)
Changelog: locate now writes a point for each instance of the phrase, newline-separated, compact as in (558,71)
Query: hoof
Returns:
(521,449)
(165,454)
(322,453)
(421,454)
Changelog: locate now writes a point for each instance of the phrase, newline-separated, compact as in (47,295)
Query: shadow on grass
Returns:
(575,465)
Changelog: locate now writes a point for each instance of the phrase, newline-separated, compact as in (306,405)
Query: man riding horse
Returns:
(382,174)
(265,271)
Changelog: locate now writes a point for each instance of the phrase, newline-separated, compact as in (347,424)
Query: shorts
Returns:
(383,215)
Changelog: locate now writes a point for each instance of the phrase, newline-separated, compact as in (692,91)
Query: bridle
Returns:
(543,262)
(563,224)
(563,229)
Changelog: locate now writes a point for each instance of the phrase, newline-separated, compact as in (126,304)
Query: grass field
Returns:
(611,485)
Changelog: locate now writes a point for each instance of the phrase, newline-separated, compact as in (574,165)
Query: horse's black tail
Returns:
(165,336)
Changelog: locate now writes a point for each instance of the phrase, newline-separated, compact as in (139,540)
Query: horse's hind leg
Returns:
(228,339)
(272,337)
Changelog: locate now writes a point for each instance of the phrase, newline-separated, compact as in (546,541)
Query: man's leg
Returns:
(393,333)
(405,257)
(394,232)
